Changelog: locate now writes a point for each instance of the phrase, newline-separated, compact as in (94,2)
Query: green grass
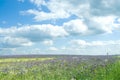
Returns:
(60,70)
(23,59)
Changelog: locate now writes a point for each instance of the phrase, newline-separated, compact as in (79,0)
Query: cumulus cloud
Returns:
(41,15)
(47,32)
(53,7)
(38,2)
(107,7)
(12,42)
(48,42)
(79,46)
(41,32)
(76,26)
(29,34)
(94,17)
(79,42)
(92,26)
(35,32)
(100,25)
(93,43)
(81,8)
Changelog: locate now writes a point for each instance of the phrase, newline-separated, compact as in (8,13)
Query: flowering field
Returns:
(61,68)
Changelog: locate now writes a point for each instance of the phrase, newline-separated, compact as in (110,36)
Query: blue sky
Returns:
(81,27)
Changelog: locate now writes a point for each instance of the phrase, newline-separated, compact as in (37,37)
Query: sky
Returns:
(74,27)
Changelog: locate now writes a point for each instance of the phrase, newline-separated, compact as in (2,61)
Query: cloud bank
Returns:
(93,18)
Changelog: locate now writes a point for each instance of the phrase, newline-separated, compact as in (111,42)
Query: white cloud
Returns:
(29,34)
(92,26)
(100,25)
(58,9)
(63,48)
(40,15)
(38,2)
(83,47)
(90,19)
(76,27)
(35,32)
(93,17)
(80,43)
(48,42)
(118,20)
(53,49)
(88,10)
(107,7)
(47,32)
(81,8)
(41,32)
(12,42)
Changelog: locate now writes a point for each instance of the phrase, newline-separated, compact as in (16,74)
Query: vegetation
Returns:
(60,68)
(23,59)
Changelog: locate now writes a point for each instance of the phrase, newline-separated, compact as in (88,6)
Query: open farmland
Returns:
(60,68)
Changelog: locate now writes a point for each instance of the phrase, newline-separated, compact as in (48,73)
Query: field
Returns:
(64,67)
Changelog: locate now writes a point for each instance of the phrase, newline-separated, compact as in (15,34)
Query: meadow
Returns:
(60,68)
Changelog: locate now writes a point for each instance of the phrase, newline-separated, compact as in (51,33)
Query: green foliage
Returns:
(23,59)
(59,70)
